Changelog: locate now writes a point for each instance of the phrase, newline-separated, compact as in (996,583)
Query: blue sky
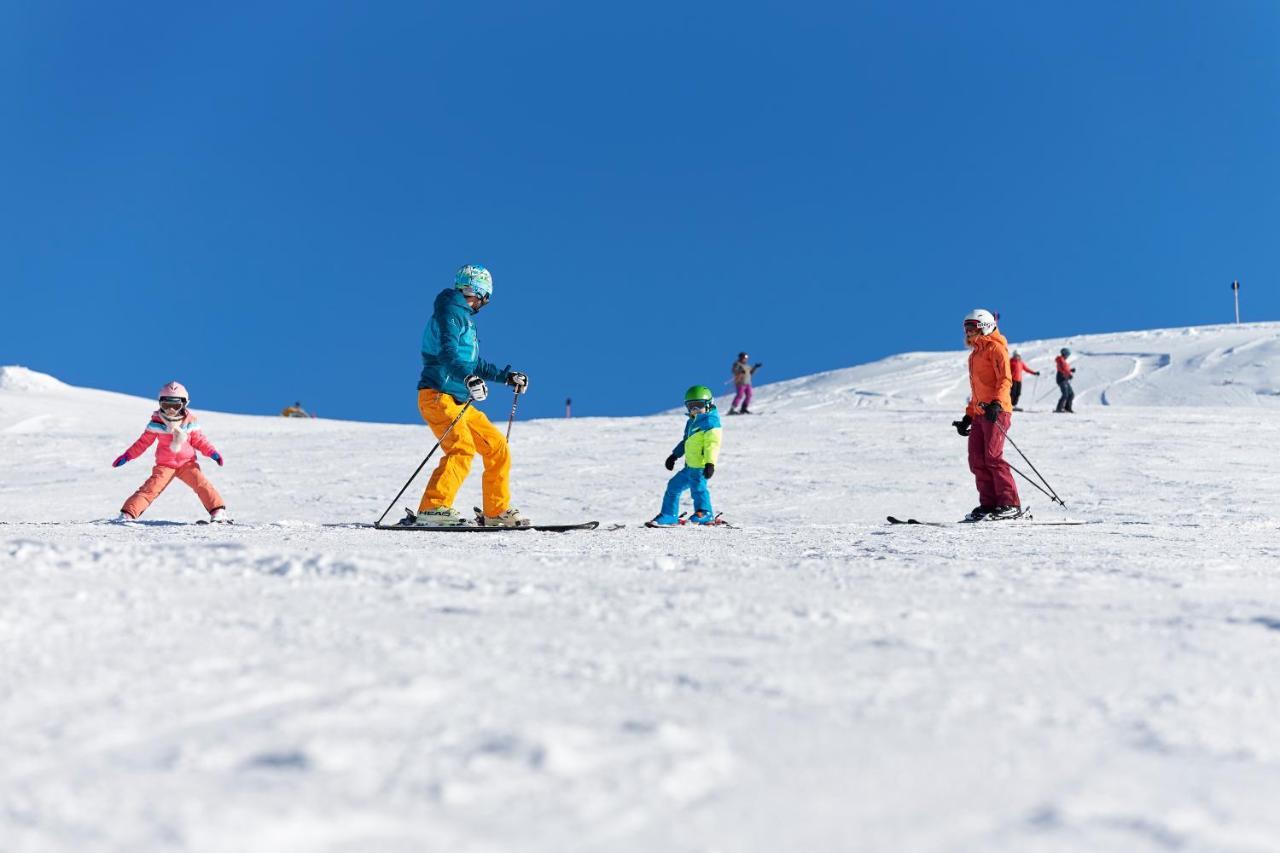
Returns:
(263,199)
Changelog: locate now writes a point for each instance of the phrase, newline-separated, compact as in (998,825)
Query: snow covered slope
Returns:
(1196,366)
(814,680)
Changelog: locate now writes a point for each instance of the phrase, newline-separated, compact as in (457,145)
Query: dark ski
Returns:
(475,528)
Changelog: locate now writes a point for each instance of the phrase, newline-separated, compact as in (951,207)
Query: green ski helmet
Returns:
(698,396)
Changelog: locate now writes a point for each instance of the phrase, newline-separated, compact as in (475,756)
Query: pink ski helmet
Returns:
(174,389)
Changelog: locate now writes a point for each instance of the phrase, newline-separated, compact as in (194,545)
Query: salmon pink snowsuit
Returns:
(175,457)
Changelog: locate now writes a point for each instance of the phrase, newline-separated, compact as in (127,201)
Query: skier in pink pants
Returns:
(743,370)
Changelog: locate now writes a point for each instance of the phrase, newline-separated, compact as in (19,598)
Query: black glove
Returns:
(991,411)
(671,462)
(963,425)
(709,470)
(757,366)
(518,381)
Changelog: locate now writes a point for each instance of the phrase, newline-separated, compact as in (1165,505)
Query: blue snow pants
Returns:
(686,479)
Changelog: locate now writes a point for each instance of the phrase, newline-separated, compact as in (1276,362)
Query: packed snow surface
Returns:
(813,680)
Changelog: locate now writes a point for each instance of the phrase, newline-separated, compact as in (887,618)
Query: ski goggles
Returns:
(176,403)
(471,291)
(697,405)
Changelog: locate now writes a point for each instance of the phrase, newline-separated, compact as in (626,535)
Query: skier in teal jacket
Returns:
(700,448)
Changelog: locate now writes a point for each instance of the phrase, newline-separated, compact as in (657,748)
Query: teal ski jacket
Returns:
(451,349)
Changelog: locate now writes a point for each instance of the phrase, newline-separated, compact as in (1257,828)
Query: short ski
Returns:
(686,522)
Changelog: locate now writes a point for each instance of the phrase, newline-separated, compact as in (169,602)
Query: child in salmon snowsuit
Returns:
(179,438)
(700,448)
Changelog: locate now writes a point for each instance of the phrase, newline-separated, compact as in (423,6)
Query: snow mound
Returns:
(1195,366)
(22,379)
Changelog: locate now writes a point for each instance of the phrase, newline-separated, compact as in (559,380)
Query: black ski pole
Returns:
(515,401)
(1031,481)
(422,464)
(1054,494)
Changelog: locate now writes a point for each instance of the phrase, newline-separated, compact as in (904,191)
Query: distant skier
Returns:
(987,417)
(1065,372)
(1017,367)
(743,370)
(295,411)
(700,448)
(453,372)
(179,438)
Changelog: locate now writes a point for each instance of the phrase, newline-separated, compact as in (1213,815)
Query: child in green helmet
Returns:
(700,448)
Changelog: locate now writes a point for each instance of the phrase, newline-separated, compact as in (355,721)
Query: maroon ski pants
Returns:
(986,461)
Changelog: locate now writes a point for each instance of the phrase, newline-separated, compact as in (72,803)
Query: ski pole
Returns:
(515,401)
(1054,494)
(1031,481)
(423,463)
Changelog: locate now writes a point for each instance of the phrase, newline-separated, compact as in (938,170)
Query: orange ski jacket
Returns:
(989,375)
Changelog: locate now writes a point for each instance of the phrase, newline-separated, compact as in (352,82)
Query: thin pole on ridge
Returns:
(1235,291)
(423,463)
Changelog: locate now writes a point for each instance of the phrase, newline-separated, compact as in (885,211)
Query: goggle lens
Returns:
(696,405)
(171,403)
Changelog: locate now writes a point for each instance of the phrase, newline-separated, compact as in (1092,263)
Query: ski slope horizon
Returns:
(812,680)
(1220,364)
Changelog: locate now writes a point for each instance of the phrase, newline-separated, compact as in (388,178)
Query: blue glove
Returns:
(216,457)
(120,460)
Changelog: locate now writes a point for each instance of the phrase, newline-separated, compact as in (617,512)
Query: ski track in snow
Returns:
(815,680)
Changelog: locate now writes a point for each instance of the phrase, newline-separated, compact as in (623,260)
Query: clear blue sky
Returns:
(263,199)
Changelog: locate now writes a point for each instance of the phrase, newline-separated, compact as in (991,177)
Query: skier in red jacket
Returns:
(1017,367)
(1063,378)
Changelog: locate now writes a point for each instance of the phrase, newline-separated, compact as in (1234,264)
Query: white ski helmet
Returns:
(982,320)
(475,280)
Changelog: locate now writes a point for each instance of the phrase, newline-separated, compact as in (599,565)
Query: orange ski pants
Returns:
(161,477)
(471,435)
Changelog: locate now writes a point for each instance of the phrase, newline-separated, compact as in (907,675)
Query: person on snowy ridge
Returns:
(179,437)
(743,370)
(1063,378)
(1017,367)
(988,417)
(700,448)
(453,372)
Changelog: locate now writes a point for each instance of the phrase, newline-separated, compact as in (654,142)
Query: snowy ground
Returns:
(814,680)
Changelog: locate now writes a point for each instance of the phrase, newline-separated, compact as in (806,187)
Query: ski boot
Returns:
(123,518)
(1004,513)
(978,513)
(219,516)
(509,518)
(665,521)
(733,411)
(441,516)
(701,516)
